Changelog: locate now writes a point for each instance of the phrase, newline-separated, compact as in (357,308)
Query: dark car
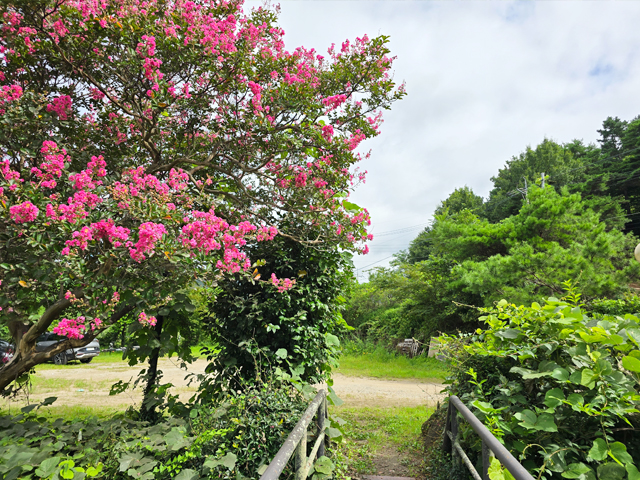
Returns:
(6,352)
(84,354)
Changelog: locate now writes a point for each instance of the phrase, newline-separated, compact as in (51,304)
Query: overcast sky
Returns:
(484,80)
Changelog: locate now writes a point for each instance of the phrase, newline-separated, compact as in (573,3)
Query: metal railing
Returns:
(490,444)
(297,442)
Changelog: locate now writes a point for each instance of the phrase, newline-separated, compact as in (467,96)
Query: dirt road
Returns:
(88,385)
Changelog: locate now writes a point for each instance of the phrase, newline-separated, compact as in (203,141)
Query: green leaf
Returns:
(281,353)
(554,398)
(546,423)
(631,363)
(576,400)
(333,432)
(560,374)
(599,450)
(47,467)
(335,399)
(527,418)
(323,465)
(495,470)
(611,471)
(228,461)
(332,340)
(632,472)
(579,470)
(188,474)
(618,451)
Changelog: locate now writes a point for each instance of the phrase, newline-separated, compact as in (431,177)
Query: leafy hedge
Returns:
(231,441)
(558,387)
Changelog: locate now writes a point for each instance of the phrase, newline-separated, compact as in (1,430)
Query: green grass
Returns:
(72,412)
(369,429)
(388,365)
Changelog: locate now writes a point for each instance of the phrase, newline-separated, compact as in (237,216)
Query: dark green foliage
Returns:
(229,441)
(529,255)
(416,300)
(621,306)
(257,328)
(557,386)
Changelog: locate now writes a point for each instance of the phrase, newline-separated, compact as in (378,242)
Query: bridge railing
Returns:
(297,442)
(490,444)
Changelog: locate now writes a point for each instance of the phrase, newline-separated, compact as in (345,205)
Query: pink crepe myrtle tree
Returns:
(143,143)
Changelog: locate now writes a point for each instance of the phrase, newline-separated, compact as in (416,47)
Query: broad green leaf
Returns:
(611,471)
(332,340)
(323,465)
(546,423)
(587,378)
(188,474)
(576,400)
(527,418)
(333,432)
(631,363)
(495,470)
(599,450)
(484,407)
(618,451)
(579,470)
(560,374)
(554,398)
(632,471)
(282,353)
(335,399)
(48,467)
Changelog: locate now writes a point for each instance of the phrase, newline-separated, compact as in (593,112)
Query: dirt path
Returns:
(88,385)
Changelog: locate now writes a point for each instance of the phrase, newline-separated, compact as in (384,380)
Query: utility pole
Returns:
(524,190)
(542,179)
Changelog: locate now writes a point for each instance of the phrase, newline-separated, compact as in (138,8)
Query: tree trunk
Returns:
(148,410)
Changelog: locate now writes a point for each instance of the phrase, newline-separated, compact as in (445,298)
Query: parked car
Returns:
(6,352)
(84,354)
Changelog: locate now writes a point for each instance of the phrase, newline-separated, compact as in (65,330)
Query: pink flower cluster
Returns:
(75,328)
(102,230)
(283,284)
(60,106)
(147,320)
(148,235)
(266,233)
(53,165)
(10,93)
(23,212)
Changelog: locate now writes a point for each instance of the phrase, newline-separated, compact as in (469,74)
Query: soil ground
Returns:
(88,385)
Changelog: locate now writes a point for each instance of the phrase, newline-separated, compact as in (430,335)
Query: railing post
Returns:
(447,445)
(486,460)
(322,415)
(301,457)
(455,456)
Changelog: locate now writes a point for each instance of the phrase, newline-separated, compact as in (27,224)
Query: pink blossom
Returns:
(71,328)
(24,212)
(147,320)
(282,284)
(148,234)
(61,106)
(327,132)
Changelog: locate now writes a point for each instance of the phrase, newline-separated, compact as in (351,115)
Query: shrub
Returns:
(230,441)
(559,388)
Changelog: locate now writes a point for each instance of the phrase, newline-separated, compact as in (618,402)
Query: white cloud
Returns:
(484,80)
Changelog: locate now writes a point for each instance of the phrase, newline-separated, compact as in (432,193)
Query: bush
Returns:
(558,387)
(229,441)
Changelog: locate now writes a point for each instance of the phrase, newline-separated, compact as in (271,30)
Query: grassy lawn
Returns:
(369,431)
(385,365)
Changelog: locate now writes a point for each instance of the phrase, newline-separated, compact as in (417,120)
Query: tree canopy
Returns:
(144,146)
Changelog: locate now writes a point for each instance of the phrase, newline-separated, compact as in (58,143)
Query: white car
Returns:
(84,354)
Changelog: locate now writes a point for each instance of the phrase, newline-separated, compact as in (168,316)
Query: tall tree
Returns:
(143,146)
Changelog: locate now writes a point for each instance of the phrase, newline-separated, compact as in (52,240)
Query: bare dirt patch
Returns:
(96,380)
